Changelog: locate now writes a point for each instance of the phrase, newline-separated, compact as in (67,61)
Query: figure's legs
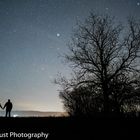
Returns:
(6,113)
(9,113)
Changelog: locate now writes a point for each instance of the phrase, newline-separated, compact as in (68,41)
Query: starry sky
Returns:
(33,35)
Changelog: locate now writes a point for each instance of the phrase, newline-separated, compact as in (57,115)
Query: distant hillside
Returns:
(34,114)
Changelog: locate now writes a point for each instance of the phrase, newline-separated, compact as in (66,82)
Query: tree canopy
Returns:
(104,56)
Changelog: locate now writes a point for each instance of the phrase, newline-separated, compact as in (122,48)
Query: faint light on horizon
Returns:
(15,115)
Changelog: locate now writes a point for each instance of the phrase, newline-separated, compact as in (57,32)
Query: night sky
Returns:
(33,35)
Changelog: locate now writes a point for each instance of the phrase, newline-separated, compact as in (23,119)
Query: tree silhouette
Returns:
(104,55)
(82,101)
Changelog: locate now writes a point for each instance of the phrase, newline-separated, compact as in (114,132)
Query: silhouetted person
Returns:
(8,106)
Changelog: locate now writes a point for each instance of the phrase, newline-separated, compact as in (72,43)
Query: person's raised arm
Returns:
(4,106)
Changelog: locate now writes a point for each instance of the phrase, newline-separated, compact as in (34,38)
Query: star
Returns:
(42,69)
(14,31)
(7,13)
(51,77)
(138,3)
(107,8)
(58,35)
(58,48)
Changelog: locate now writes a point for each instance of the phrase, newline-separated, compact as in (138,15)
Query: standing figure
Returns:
(8,106)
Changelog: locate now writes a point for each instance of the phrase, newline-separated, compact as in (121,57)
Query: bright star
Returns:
(58,35)
(138,3)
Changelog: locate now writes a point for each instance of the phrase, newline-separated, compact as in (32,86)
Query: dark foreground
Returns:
(63,128)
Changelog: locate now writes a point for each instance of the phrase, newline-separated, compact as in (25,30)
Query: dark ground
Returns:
(60,128)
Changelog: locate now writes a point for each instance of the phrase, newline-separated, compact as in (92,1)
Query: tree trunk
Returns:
(106,99)
(106,103)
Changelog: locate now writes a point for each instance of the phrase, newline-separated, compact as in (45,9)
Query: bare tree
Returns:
(104,54)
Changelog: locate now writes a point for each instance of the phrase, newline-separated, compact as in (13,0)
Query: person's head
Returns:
(8,100)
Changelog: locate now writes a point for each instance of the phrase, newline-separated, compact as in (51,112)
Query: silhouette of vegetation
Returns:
(104,56)
(81,101)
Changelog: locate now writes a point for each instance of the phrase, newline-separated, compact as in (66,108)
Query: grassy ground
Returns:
(73,128)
